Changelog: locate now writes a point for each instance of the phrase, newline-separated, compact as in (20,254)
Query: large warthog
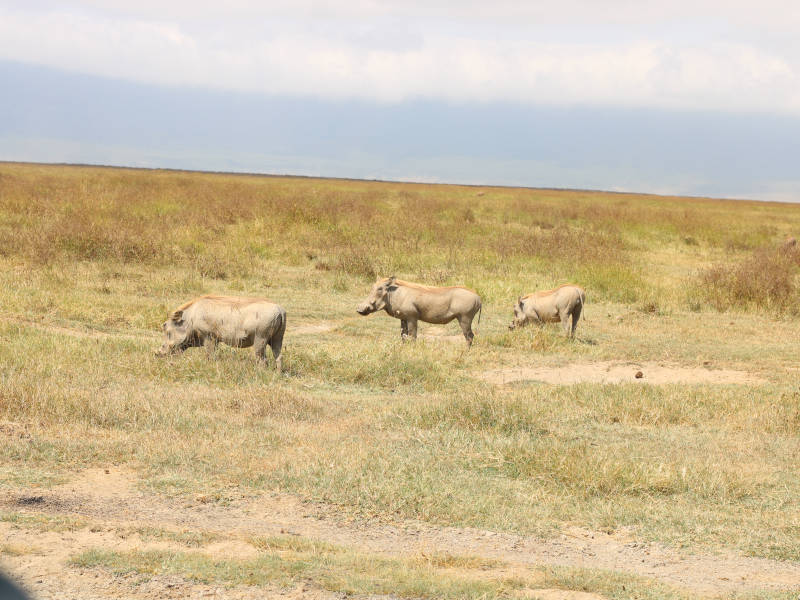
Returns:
(563,304)
(411,302)
(238,322)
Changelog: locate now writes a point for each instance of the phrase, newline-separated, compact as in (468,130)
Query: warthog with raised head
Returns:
(411,302)
(238,322)
(563,304)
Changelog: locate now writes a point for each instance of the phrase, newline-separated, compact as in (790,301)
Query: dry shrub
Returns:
(277,403)
(435,275)
(355,262)
(563,243)
(478,410)
(212,266)
(764,280)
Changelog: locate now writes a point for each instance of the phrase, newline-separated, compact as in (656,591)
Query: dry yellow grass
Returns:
(92,261)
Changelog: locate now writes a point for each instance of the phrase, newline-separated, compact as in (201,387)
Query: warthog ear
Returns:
(177,316)
(519,301)
(391,281)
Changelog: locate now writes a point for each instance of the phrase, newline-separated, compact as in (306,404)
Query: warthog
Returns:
(238,322)
(551,306)
(411,302)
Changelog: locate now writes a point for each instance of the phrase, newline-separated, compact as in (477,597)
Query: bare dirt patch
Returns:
(621,372)
(79,333)
(101,483)
(114,503)
(551,594)
(442,334)
(309,328)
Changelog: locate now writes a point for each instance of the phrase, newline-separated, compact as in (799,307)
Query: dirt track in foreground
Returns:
(621,372)
(111,502)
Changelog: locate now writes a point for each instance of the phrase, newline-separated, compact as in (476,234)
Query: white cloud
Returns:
(728,56)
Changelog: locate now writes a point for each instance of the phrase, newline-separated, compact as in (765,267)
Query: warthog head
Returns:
(176,335)
(377,297)
(519,315)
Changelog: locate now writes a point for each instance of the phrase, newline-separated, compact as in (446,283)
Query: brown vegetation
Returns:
(767,279)
(377,431)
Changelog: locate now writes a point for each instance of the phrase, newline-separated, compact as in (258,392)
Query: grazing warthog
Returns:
(551,306)
(411,302)
(238,322)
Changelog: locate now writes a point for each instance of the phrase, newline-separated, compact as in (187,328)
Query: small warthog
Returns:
(238,322)
(551,306)
(411,302)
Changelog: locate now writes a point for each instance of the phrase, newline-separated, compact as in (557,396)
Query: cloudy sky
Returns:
(699,98)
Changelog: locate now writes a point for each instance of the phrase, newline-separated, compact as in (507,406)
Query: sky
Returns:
(696,98)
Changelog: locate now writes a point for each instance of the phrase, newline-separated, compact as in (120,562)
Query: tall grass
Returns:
(224,227)
(766,279)
(94,259)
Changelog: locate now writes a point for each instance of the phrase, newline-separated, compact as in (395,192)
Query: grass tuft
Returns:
(764,280)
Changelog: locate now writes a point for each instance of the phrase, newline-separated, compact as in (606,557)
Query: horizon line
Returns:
(378,180)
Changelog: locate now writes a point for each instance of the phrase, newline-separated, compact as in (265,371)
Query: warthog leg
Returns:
(576,314)
(466,328)
(210,344)
(565,322)
(403,329)
(260,346)
(412,329)
(276,343)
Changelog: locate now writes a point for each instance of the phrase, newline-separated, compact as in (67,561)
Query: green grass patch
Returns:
(43,522)
(286,562)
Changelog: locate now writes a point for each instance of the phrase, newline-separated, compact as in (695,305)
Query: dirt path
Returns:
(621,372)
(110,501)
(80,333)
(309,328)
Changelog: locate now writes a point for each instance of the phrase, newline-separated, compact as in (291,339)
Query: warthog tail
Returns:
(282,326)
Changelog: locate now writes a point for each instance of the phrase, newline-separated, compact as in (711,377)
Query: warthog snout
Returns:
(164,350)
(364,309)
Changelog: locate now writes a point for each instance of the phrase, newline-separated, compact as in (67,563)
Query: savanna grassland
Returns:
(371,467)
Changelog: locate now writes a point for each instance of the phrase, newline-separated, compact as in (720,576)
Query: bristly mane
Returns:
(230,300)
(428,288)
(544,293)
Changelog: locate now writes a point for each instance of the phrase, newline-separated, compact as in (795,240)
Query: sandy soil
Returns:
(309,328)
(110,501)
(79,333)
(621,372)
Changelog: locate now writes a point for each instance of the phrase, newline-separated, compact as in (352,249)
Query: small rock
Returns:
(639,375)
